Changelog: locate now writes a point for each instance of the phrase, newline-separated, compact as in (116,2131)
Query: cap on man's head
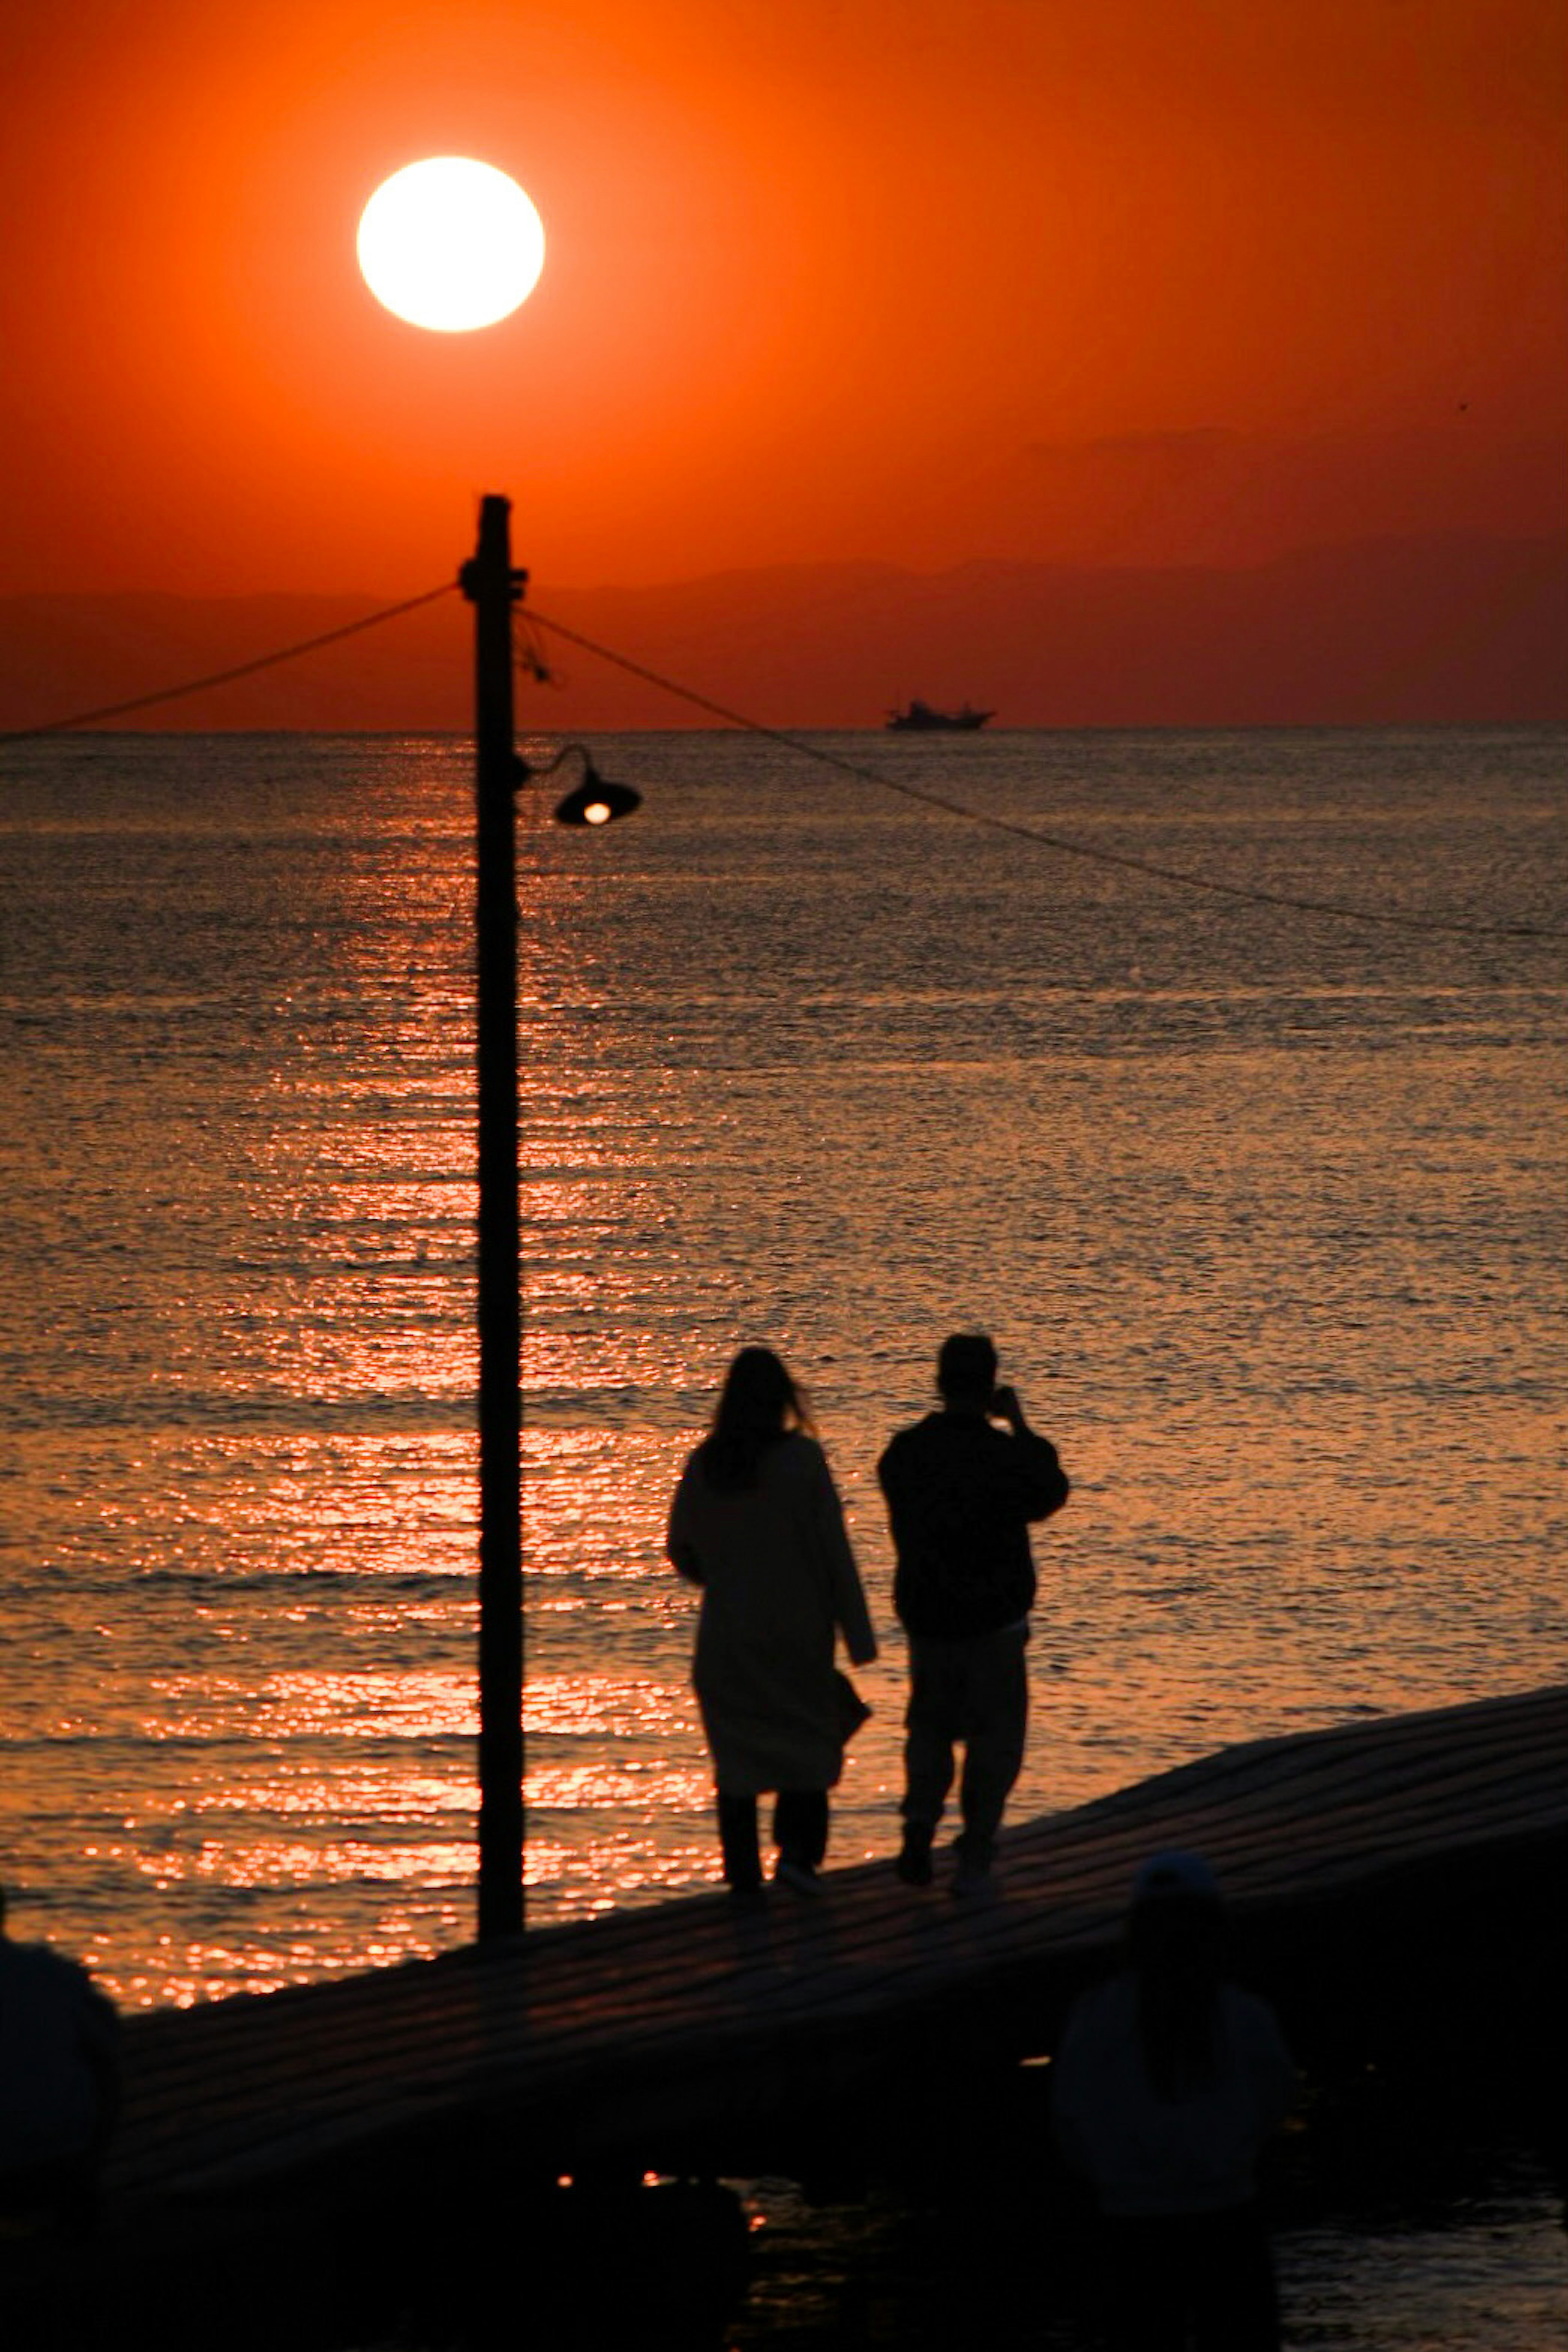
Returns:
(1165,1876)
(966,1365)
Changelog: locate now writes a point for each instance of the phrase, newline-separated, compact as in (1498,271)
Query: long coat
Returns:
(777,1578)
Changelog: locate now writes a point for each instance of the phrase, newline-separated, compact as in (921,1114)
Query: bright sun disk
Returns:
(450,244)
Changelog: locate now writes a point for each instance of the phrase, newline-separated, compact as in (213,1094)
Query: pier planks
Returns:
(682,2034)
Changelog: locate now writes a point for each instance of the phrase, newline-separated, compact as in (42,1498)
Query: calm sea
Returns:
(1266,1208)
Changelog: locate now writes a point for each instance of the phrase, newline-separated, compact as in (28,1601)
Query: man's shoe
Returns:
(797,1875)
(913,1862)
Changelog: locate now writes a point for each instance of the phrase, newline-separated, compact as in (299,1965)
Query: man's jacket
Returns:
(961,1495)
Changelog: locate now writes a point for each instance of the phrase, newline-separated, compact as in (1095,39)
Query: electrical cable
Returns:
(224,677)
(1042,839)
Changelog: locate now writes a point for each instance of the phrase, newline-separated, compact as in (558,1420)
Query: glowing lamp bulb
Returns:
(596,800)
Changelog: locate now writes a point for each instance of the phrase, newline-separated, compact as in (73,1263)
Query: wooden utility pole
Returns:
(492,587)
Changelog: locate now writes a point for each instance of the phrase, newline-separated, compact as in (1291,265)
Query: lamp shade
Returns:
(596,801)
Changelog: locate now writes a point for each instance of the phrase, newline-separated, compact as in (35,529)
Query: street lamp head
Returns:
(595,801)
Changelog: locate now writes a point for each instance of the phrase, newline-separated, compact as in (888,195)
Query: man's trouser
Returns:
(974,1690)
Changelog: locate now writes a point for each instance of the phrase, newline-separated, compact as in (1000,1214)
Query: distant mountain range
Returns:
(1460,629)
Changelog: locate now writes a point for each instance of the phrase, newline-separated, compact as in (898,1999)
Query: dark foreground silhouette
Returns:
(59,2087)
(1170,2081)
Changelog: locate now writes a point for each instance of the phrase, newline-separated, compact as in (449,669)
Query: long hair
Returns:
(758,1404)
(1177,1947)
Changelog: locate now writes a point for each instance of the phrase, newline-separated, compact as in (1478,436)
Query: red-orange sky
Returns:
(908,280)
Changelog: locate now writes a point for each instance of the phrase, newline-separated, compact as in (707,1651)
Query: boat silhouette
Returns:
(923,718)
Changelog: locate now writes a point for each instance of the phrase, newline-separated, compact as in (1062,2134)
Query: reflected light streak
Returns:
(600,1706)
(579,1788)
(594,1876)
(403,1703)
(396,1791)
(241,1868)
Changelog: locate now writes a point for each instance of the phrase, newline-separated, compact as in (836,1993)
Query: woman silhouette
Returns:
(756,1522)
(1169,2080)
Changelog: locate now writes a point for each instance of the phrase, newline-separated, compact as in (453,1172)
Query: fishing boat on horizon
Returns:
(923,718)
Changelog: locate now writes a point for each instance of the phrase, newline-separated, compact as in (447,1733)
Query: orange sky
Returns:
(905,280)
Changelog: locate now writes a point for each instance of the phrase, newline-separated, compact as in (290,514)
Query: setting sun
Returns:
(450,244)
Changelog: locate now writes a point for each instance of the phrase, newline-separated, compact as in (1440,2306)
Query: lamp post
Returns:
(493,587)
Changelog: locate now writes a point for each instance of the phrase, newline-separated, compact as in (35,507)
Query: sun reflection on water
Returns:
(1264,1213)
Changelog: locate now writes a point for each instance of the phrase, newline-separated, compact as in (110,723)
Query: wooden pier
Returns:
(1372,1869)
(690,2032)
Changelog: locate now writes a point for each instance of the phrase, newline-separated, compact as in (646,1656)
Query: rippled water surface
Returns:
(1264,1207)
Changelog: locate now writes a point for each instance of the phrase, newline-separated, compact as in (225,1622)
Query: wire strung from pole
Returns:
(226,677)
(1041,838)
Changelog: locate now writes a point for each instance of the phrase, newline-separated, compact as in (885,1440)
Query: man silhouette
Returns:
(961,1495)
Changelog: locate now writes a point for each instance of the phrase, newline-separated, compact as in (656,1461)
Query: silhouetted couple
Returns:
(757,1523)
